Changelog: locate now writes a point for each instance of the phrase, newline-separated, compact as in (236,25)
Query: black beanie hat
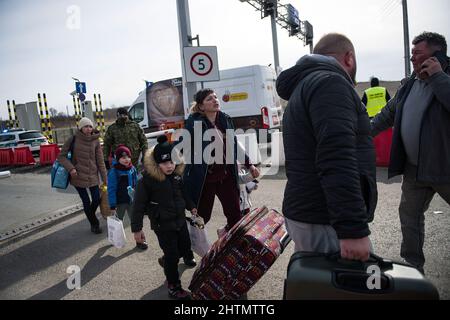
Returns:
(163,150)
(121,111)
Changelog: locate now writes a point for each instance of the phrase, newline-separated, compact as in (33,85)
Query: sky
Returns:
(113,45)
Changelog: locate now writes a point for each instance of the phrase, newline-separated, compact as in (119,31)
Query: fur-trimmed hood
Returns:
(153,170)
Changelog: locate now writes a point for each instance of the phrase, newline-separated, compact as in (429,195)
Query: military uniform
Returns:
(128,133)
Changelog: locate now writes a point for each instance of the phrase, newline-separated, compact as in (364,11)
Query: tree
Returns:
(53,112)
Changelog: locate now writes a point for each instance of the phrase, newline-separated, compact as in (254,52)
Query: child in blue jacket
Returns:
(122,179)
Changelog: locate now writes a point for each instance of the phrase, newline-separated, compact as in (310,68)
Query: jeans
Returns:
(415,200)
(88,206)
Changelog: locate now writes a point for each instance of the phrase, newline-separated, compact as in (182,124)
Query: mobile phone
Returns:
(442,58)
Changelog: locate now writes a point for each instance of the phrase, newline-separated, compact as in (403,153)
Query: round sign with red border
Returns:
(201,64)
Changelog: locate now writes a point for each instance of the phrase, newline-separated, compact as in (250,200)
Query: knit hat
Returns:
(121,151)
(86,122)
(163,150)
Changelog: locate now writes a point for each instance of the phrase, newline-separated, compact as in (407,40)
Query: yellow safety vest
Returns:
(376,100)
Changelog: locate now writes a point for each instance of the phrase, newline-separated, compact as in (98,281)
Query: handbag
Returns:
(59,175)
(116,232)
(199,240)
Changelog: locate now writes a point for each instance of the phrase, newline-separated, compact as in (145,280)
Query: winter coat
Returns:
(87,159)
(163,198)
(118,181)
(434,145)
(195,174)
(127,133)
(330,157)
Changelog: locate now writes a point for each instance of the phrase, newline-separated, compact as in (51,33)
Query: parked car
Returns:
(19,137)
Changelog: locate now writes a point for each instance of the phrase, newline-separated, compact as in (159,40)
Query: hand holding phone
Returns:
(436,63)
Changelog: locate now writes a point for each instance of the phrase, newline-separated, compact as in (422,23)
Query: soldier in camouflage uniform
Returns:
(127,132)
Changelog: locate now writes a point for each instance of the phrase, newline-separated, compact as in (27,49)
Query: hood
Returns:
(289,79)
(94,136)
(153,170)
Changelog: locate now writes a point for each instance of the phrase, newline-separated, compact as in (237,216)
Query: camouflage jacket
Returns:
(129,134)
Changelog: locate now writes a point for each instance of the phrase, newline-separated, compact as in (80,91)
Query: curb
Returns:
(51,219)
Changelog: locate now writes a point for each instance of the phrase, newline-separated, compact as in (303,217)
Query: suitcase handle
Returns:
(373,258)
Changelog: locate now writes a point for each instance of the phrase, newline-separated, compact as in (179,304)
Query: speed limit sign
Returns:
(201,64)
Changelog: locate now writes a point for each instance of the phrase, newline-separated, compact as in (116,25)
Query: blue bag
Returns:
(59,175)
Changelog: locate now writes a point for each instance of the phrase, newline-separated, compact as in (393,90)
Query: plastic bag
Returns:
(59,176)
(199,240)
(116,232)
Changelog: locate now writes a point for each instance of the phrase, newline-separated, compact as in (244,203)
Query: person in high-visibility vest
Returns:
(375,98)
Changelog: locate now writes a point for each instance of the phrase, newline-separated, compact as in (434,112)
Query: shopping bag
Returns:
(104,203)
(116,233)
(59,176)
(199,240)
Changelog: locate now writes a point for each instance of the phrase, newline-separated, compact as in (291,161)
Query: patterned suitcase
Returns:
(240,258)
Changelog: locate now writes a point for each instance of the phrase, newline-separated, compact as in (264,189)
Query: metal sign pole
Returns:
(184,31)
(275,42)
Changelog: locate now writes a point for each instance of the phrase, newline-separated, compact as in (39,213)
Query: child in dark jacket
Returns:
(160,194)
(122,179)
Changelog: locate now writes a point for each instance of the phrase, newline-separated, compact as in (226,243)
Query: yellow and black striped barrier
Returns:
(16,120)
(41,116)
(102,115)
(97,113)
(75,109)
(11,121)
(49,123)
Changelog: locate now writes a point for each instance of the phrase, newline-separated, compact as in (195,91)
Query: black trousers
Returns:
(90,206)
(175,245)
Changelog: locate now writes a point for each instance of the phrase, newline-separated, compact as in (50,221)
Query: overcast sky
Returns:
(120,43)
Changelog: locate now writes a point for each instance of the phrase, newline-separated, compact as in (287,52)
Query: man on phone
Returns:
(420,114)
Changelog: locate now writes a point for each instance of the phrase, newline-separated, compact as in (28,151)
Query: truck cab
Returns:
(246,94)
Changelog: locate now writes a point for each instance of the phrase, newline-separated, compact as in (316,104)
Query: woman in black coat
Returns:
(207,178)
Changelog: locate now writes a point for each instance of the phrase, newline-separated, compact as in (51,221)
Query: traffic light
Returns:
(293,30)
(269,8)
(309,33)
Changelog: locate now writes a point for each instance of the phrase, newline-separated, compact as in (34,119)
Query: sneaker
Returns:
(96,229)
(161,261)
(142,245)
(190,262)
(178,293)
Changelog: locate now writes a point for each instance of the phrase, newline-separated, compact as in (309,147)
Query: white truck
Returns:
(247,94)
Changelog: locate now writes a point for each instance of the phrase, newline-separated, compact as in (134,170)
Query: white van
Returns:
(247,94)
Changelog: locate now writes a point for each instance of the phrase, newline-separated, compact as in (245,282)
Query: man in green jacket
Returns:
(126,132)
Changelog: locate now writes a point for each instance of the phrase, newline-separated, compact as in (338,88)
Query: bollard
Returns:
(15,114)
(41,115)
(49,124)
(11,121)
(75,109)
(102,114)
(97,113)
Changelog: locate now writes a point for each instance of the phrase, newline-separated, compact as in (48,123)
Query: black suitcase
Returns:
(315,276)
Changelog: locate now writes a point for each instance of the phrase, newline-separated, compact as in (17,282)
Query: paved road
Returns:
(35,267)
(26,197)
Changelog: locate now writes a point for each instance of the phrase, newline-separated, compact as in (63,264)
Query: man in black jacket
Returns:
(420,114)
(331,194)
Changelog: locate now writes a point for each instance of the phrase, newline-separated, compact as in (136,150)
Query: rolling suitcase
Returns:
(328,277)
(237,260)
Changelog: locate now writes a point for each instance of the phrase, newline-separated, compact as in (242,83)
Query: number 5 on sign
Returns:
(201,64)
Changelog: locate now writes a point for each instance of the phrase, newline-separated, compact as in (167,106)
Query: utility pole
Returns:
(184,31)
(276,57)
(406,38)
